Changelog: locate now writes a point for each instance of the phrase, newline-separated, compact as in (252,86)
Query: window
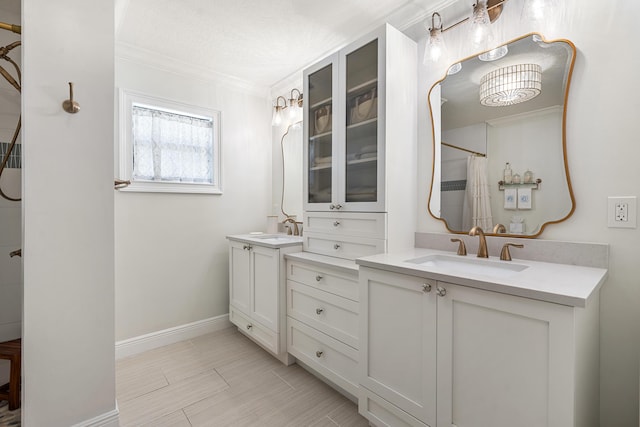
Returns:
(166,146)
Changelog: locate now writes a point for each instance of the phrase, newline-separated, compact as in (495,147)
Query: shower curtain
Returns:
(477,201)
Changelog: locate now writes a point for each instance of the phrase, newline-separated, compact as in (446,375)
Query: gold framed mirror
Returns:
(499,139)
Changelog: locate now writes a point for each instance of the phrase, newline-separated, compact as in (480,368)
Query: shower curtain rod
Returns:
(475,153)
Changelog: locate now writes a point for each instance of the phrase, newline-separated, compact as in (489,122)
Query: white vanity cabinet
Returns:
(360,132)
(257,296)
(322,310)
(440,354)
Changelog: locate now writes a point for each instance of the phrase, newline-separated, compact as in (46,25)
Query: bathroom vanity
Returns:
(448,340)
(257,288)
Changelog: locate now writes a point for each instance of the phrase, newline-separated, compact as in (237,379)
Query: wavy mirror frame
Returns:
(292,125)
(564,142)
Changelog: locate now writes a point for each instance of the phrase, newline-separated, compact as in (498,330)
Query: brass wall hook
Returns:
(69,105)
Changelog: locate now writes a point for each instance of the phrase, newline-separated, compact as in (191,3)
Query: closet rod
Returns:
(463,149)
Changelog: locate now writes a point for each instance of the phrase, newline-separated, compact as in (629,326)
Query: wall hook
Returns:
(69,105)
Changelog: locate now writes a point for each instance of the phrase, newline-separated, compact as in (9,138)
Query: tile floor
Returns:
(224,379)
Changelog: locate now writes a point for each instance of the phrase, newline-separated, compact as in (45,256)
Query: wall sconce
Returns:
(295,106)
(278,111)
(484,13)
(436,47)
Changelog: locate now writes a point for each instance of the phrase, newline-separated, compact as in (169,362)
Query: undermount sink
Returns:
(459,264)
(275,237)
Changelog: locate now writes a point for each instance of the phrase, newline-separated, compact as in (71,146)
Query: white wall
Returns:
(10,211)
(603,151)
(171,251)
(68,351)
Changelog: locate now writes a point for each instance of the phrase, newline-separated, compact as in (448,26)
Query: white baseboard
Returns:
(109,419)
(142,343)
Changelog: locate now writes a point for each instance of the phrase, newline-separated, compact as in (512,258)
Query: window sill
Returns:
(170,187)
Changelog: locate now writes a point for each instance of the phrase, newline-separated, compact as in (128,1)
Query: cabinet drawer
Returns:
(331,314)
(347,247)
(372,225)
(382,413)
(331,358)
(324,278)
(259,333)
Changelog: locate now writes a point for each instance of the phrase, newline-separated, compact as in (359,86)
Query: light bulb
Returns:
(480,29)
(277,116)
(435,49)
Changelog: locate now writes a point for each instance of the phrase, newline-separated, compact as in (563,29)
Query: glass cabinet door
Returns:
(320,135)
(361,133)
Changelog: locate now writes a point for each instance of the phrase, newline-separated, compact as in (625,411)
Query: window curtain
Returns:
(477,201)
(171,147)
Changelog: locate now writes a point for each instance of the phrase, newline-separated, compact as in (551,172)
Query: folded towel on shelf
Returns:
(510,197)
(524,198)
(322,160)
(371,148)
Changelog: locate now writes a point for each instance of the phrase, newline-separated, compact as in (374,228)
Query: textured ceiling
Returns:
(259,41)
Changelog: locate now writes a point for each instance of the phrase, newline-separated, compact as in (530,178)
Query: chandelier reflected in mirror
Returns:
(511,85)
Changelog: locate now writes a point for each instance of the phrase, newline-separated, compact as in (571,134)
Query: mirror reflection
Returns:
(498,126)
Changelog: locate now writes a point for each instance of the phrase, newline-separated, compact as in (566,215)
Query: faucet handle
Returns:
(499,228)
(462,249)
(505,255)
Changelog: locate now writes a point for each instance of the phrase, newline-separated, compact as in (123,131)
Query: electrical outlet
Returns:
(621,212)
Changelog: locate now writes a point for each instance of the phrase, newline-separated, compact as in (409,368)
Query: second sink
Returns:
(457,264)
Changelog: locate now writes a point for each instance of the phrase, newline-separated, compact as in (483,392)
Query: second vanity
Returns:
(460,341)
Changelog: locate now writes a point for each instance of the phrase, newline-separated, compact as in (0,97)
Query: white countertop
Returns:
(274,241)
(557,283)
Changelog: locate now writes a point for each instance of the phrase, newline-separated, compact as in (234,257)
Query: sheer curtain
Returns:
(171,146)
(477,201)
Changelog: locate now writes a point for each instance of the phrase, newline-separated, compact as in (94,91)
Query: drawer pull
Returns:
(319,311)
(336,223)
(319,353)
(336,246)
(441,291)
(318,278)
(426,287)
(249,326)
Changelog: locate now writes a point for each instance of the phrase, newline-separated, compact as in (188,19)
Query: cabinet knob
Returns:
(426,287)
(336,223)
(319,311)
(319,353)
(249,326)
(318,278)
(247,247)
(441,291)
(332,206)
(336,246)
(338,206)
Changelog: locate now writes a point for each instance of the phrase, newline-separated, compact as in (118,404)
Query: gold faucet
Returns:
(482,248)
(296,230)
(499,228)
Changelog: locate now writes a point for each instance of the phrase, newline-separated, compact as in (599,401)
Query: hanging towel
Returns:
(510,196)
(524,198)
(477,203)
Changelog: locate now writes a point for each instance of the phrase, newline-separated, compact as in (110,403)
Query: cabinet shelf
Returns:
(362,161)
(319,103)
(321,136)
(320,167)
(364,85)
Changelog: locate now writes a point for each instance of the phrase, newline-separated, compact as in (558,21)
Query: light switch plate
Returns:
(621,212)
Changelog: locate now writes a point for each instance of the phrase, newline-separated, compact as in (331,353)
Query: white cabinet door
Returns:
(265,275)
(240,276)
(503,360)
(397,341)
